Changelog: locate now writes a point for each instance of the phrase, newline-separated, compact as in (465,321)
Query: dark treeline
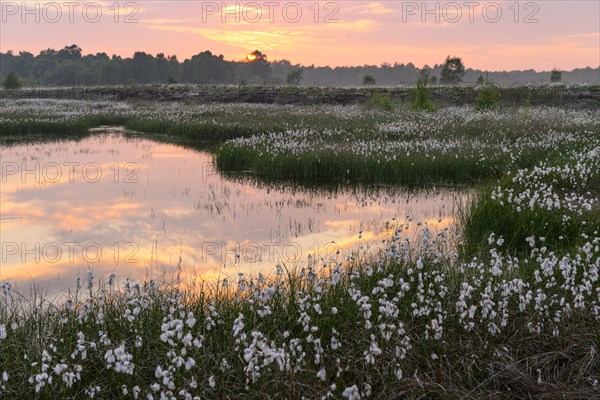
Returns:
(69,66)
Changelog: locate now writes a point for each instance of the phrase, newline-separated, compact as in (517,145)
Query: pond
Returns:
(115,204)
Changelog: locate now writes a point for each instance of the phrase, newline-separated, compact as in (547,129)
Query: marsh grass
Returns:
(326,168)
(199,135)
(452,146)
(236,331)
(24,125)
(555,200)
(485,216)
(512,316)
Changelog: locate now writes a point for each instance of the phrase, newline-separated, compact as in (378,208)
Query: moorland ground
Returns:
(511,310)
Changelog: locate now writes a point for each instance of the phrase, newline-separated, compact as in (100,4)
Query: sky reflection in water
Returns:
(135,207)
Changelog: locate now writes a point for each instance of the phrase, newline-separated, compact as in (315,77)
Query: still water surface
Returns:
(139,208)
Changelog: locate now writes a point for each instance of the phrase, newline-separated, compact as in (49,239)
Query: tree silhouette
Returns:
(207,68)
(452,71)
(256,67)
(70,66)
(256,56)
(294,77)
(368,80)
(72,52)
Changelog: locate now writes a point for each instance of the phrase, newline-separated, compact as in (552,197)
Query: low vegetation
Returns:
(412,322)
(422,100)
(458,145)
(509,308)
(487,97)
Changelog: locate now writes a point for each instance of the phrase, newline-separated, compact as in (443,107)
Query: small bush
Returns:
(382,100)
(487,98)
(12,82)
(422,100)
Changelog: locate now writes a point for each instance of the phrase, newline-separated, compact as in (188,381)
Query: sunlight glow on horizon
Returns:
(491,36)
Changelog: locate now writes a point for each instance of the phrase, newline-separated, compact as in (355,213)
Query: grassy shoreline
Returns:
(413,323)
(457,145)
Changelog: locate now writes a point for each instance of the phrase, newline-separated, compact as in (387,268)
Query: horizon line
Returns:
(392,64)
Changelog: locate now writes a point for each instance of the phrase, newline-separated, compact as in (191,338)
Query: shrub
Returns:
(422,100)
(382,100)
(487,98)
(555,76)
(12,82)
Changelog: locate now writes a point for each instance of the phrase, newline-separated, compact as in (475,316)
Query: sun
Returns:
(250,57)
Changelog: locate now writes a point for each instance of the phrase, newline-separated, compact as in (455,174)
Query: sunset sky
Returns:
(500,35)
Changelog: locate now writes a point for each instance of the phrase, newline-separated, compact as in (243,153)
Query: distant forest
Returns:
(68,66)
